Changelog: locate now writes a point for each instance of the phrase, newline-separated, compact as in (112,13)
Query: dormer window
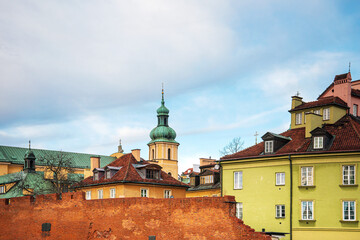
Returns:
(152,174)
(318,142)
(326,114)
(298,118)
(108,174)
(269,146)
(96,176)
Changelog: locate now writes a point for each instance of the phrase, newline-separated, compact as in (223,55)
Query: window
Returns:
(153,154)
(326,114)
(169,154)
(349,211)
(112,193)
(88,195)
(269,146)
(298,117)
(239,210)
(96,176)
(206,179)
(238,180)
(2,189)
(307,176)
(108,174)
(307,211)
(355,110)
(100,194)
(280,211)
(167,193)
(349,175)
(317,111)
(144,192)
(152,174)
(318,142)
(280,178)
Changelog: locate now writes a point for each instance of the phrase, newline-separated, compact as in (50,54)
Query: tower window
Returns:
(169,154)
(165,121)
(153,154)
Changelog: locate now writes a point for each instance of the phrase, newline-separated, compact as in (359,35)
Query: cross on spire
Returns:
(256,134)
(297,93)
(349,66)
(29,144)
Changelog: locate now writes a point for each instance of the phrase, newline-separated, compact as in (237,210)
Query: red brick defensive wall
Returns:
(73,217)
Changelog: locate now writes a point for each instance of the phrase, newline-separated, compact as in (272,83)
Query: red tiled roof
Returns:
(355,92)
(321,102)
(188,171)
(128,173)
(346,133)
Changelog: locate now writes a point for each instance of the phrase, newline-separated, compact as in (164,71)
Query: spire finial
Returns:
(29,144)
(349,66)
(256,134)
(162,93)
(120,141)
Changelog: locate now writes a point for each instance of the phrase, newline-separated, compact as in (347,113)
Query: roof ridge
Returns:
(127,169)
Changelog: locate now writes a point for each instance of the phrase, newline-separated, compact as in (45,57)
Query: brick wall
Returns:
(73,217)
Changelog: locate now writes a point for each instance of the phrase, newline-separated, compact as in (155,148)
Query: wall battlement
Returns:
(73,217)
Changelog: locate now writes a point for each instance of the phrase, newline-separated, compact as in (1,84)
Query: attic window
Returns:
(298,118)
(318,142)
(108,174)
(326,114)
(152,174)
(2,189)
(269,146)
(96,176)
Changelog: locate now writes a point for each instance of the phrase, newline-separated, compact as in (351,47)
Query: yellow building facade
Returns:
(301,184)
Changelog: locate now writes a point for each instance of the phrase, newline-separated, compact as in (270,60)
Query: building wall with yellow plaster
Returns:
(259,194)
(158,152)
(133,190)
(204,193)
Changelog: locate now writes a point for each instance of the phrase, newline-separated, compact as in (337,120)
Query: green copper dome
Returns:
(162,133)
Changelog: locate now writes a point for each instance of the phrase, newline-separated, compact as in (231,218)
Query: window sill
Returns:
(349,221)
(301,220)
(348,185)
(279,217)
(280,185)
(309,186)
(237,188)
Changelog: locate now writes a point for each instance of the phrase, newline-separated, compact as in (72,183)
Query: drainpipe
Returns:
(291,196)
(221,179)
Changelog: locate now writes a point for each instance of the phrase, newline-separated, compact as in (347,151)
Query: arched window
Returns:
(169,173)
(165,121)
(153,154)
(169,154)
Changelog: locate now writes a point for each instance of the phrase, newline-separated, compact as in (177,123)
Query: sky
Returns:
(80,75)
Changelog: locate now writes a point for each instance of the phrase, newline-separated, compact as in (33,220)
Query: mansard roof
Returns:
(321,102)
(346,132)
(128,173)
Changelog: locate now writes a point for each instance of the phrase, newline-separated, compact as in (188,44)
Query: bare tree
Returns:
(58,169)
(234,146)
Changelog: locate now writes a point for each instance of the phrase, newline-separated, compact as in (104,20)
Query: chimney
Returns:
(342,87)
(136,154)
(94,162)
(312,121)
(296,101)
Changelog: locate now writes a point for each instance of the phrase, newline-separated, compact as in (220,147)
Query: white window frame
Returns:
(269,146)
(238,180)
(167,193)
(88,195)
(108,174)
(298,118)
(355,110)
(319,142)
(348,174)
(144,192)
(239,210)
(280,211)
(349,214)
(317,111)
(307,176)
(100,194)
(112,193)
(280,179)
(307,210)
(326,113)
(2,189)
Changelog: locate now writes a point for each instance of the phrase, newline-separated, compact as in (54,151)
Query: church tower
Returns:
(163,149)
(29,164)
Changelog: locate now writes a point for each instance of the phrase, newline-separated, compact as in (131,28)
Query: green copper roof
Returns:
(16,155)
(162,133)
